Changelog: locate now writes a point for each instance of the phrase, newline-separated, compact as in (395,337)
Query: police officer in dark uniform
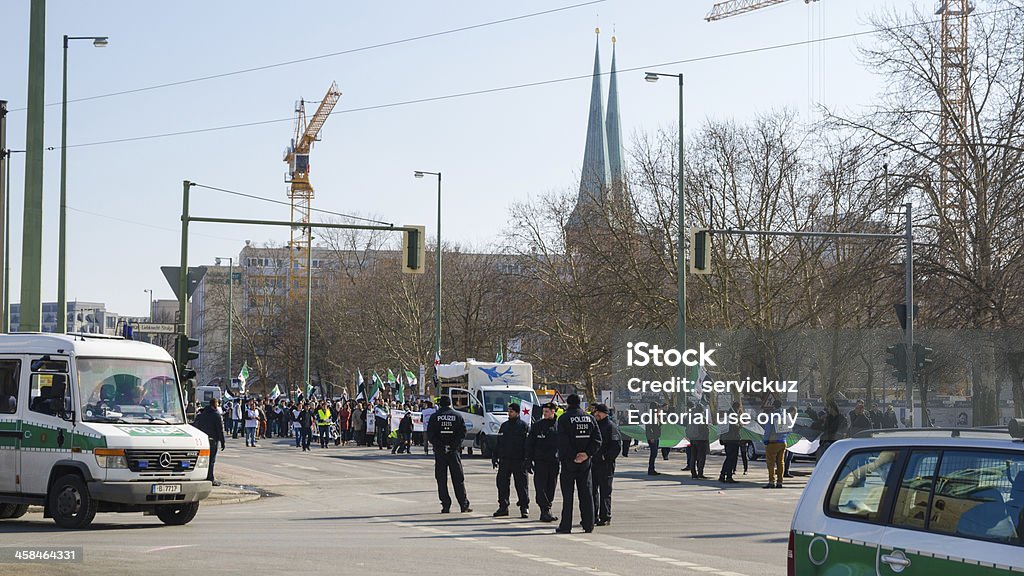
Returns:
(603,468)
(209,420)
(446,431)
(542,460)
(578,440)
(509,459)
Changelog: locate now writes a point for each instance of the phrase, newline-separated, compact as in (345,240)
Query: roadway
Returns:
(363,510)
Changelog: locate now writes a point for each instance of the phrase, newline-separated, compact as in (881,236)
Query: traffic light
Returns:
(922,356)
(700,251)
(413,250)
(184,354)
(896,356)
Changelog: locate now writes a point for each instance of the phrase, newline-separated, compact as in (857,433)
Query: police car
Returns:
(91,424)
(914,502)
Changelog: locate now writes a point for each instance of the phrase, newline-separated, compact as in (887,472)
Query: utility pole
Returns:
(908,334)
(32,227)
(3,201)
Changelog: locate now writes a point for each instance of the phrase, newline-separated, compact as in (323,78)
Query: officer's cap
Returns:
(445,401)
(601,408)
(573,400)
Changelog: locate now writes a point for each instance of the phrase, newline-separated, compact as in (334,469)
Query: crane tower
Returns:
(301,192)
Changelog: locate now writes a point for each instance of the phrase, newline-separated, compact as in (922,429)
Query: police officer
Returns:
(446,431)
(578,440)
(509,459)
(603,468)
(542,460)
(209,420)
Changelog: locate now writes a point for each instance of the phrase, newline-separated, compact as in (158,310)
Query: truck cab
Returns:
(482,391)
(95,424)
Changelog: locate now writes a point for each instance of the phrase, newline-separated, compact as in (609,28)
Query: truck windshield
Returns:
(498,400)
(129,390)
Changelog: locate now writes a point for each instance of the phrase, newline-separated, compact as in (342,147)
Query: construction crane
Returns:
(736,7)
(301,192)
(955,118)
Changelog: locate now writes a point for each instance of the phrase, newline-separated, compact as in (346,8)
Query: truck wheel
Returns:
(177,515)
(70,502)
(485,450)
(6,510)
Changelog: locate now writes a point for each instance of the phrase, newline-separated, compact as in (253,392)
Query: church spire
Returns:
(614,132)
(595,177)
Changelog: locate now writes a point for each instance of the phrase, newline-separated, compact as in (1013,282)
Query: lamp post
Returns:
(7,242)
(437,293)
(681,254)
(62,300)
(231,309)
(150,291)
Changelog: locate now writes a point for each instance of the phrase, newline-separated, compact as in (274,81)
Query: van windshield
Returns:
(129,390)
(498,400)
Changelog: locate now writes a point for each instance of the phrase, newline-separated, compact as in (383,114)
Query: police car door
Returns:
(47,433)
(11,397)
(965,525)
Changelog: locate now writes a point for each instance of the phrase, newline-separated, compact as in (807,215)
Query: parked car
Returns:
(914,502)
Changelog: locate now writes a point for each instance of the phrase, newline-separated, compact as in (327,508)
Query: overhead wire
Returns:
(538,83)
(271,200)
(322,56)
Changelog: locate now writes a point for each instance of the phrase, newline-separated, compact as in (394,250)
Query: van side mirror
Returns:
(67,411)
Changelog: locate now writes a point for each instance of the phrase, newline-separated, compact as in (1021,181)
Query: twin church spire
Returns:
(602,175)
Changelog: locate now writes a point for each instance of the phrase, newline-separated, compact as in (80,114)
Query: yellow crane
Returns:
(736,7)
(301,192)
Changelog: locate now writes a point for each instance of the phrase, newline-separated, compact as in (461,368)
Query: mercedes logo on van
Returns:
(165,460)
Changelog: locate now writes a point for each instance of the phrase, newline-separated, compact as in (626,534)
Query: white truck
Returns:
(96,424)
(482,392)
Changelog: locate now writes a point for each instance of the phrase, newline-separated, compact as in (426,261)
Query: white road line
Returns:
(703,569)
(162,548)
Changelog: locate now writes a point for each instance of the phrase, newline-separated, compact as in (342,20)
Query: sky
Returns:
(494,149)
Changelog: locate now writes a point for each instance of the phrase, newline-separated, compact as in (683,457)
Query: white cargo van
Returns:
(95,424)
(482,393)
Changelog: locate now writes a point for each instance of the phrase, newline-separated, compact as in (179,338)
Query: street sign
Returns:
(195,274)
(153,328)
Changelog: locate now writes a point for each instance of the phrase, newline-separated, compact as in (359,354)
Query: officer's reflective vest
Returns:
(324,417)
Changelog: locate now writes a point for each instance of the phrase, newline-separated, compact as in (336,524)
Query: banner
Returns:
(526,412)
(417,420)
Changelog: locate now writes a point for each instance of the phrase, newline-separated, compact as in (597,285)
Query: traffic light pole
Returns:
(186,218)
(908,238)
(908,334)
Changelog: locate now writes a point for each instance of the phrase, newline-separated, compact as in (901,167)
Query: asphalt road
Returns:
(354,510)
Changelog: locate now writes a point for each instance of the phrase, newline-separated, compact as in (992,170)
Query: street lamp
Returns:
(150,302)
(231,309)
(437,293)
(62,300)
(7,240)
(681,254)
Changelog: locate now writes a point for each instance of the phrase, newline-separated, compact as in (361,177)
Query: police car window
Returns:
(861,485)
(915,492)
(979,495)
(47,393)
(10,370)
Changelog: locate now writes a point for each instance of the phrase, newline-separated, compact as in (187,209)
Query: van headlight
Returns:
(110,458)
(203,461)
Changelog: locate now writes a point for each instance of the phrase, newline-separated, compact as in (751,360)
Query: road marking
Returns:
(390,498)
(162,548)
(703,569)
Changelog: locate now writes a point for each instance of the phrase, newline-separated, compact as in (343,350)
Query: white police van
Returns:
(95,424)
(929,502)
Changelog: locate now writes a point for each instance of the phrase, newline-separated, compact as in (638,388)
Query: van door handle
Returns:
(897,561)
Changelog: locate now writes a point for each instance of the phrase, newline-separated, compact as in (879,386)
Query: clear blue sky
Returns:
(493,149)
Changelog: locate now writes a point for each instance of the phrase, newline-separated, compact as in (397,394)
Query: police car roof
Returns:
(973,438)
(80,345)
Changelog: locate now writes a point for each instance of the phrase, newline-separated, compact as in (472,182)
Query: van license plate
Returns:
(166,488)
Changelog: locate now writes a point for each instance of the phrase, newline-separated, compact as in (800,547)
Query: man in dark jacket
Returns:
(731,440)
(578,440)
(509,459)
(889,419)
(860,419)
(445,432)
(306,425)
(542,460)
(404,439)
(653,433)
(210,421)
(603,470)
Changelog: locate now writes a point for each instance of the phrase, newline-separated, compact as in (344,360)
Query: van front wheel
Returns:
(177,515)
(70,503)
